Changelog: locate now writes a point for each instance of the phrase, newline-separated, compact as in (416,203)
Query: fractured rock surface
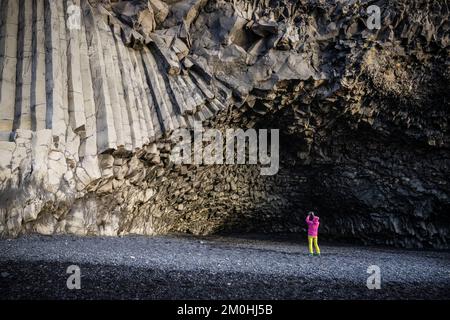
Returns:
(91,91)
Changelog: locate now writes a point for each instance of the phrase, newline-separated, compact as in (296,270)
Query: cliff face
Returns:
(89,103)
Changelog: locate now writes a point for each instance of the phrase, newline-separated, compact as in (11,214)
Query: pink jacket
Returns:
(313,226)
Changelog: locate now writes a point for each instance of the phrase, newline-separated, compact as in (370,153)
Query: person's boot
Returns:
(310,254)
(317,254)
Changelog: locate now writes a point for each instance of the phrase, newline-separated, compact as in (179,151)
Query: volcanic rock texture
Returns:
(91,91)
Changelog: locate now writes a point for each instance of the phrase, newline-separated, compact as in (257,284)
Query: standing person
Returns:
(313,229)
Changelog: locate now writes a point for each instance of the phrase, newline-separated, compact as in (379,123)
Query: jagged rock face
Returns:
(87,112)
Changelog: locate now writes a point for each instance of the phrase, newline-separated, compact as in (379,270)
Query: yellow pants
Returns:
(312,239)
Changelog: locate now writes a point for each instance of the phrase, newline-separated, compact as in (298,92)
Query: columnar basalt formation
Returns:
(91,91)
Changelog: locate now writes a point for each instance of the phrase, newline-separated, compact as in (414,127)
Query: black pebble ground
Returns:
(185,267)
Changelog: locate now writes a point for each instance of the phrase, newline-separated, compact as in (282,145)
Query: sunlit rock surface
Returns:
(90,92)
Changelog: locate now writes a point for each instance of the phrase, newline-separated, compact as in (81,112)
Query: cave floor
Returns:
(216,267)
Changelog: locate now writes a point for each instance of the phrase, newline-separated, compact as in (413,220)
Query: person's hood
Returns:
(316,219)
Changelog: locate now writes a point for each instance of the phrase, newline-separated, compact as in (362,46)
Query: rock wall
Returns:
(89,103)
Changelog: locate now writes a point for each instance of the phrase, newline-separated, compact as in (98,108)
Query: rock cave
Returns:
(91,92)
